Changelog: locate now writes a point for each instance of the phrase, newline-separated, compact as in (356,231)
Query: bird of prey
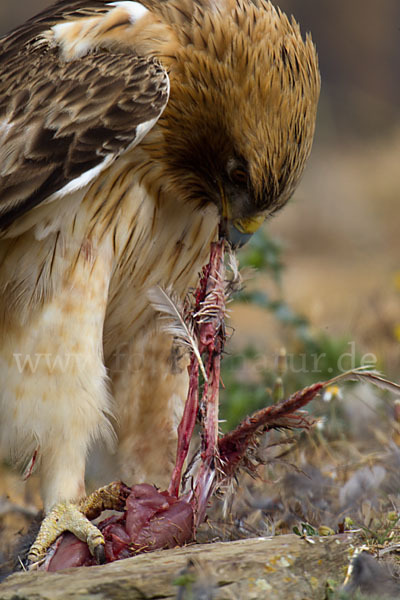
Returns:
(131,134)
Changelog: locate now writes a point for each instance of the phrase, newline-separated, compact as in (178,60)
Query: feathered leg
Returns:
(56,400)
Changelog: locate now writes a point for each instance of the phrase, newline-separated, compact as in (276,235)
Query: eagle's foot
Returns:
(66,517)
(76,519)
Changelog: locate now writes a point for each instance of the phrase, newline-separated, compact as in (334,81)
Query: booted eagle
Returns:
(131,133)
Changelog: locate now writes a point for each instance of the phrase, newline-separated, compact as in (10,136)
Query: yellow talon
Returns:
(75,518)
(65,517)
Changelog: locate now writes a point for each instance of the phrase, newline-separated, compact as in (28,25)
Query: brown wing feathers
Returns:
(64,10)
(60,119)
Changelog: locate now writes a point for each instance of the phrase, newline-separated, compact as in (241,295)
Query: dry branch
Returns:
(284,567)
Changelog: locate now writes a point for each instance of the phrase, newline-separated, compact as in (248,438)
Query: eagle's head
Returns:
(240,121)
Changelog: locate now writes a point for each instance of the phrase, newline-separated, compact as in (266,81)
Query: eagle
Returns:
(132,135)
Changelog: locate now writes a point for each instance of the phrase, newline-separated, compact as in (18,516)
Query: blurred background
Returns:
(327,283)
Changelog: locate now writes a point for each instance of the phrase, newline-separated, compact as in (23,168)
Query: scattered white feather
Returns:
(366,375)
(362,483)
(174,322)
(233,263)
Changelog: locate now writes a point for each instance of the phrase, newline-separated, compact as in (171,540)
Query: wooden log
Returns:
(282,567)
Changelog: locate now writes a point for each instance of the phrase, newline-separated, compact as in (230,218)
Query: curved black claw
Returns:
(100,554)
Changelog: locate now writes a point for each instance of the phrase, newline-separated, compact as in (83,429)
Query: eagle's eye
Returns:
(239,176)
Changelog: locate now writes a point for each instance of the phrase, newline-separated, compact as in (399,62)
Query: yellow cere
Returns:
(249,225)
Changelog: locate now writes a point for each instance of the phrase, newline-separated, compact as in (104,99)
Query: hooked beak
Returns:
(238,231)
(241,230)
